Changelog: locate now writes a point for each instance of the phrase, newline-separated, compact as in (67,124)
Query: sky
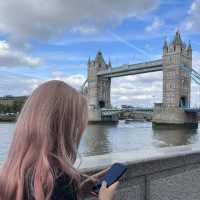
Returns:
(43,40)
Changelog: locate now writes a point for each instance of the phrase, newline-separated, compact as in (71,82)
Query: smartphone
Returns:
(111,176)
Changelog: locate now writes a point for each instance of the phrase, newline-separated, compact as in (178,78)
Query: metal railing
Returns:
(195,76)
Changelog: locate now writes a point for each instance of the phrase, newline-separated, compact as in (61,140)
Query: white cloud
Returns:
(44,19)
(154,26)
(84,29)
(4,45)
(196,60)
(12,58)
(195,88)
(194,7)
(192,22)
(137,90)
(75,80)
(141,90)
(14,84)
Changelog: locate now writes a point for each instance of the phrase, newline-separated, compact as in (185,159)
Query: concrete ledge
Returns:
(161,174)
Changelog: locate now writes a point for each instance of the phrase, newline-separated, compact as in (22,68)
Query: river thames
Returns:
(102,139)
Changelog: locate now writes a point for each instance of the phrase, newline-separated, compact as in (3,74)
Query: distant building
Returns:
(126,106)
(9,100)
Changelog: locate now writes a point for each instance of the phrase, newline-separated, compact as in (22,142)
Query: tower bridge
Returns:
(176,65)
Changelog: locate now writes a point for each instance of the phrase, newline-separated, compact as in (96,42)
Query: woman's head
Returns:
(47,136)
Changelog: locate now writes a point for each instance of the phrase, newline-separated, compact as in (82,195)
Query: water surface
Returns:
(102,139)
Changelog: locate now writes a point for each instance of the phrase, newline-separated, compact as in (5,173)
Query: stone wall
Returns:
(163,174)
(137,115)
(94,115)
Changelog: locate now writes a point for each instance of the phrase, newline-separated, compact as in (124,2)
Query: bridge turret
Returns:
(177,39)
(165,47)
(189,49)
(100,63)
(89,60)
(177,44)
(99,57)
(109,63)
(98,86)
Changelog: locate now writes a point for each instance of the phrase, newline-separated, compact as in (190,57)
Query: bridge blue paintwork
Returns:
(192,109)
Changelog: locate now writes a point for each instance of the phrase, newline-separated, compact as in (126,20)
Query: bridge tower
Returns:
(176,84)
(98,87)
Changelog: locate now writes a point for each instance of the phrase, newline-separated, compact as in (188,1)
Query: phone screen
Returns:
(113,174)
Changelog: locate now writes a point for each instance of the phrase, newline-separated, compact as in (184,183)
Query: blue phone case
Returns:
(113,174)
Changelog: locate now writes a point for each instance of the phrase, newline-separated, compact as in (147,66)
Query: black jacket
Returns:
(63,189)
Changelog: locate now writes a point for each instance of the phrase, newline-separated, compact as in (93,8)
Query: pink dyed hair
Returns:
(46,137)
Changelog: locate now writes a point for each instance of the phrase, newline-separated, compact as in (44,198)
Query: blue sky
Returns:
(40,41)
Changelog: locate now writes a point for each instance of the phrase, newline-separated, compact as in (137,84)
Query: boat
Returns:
(134,120)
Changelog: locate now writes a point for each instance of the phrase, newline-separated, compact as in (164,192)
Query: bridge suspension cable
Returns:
(83,85)
(195,77)
(193,73)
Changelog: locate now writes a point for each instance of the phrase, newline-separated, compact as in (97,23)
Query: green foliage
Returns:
(16,107)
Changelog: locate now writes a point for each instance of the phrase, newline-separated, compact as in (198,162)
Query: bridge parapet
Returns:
(167,173)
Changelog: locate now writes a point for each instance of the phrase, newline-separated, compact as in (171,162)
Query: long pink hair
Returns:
(46,138)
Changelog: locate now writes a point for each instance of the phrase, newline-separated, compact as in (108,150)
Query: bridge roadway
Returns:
(140,68)
(106,112)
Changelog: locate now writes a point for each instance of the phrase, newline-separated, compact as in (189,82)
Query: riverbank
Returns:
(5,118)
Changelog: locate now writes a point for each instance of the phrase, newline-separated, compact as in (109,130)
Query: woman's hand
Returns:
(107,193)
(90,181)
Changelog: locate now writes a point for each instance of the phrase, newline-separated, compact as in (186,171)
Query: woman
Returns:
(44,148)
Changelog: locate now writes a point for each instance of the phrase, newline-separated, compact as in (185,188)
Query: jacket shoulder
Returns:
(64,188)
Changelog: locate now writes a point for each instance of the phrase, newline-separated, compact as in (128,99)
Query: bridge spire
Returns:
(189,46)
(99,58)
(177,39)
(99,55)
(189,49)
(109,63)
(89,60)
(165,46)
